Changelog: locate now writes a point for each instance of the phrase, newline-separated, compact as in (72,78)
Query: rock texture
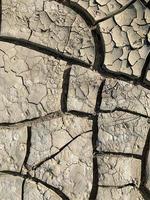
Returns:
(38,191)
(12,148)
(74,100)
(83,90)
(10,187)
(128,192)
(126,96)
(117,171)
(50,24)
(30,82)
(127,49)
(122,132)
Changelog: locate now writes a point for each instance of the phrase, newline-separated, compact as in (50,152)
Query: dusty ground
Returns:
(74,100)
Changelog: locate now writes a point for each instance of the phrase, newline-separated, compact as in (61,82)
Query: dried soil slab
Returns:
(36,191)
(83,89)
(10,187)
(49,137)
(50,24)
(71,162)
(125,37)
(30,83)
(124,95)
(118,170)
(101,8)
(12,148)
(69,171)
(125,193)
(122,132)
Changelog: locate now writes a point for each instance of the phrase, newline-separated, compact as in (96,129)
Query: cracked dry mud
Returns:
(75,100)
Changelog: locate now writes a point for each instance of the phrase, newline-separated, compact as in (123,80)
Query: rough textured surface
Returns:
(49,137)
(50,24)
(126,193)
(12,148)
(74,100)
(30,82)
(83,90)
(36,191)
(10,187)
(126,40)
(122,132)
(123,95)
(59,139)
(69,168)
(100,9)
(118,171)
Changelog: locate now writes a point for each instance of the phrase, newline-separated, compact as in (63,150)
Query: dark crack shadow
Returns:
(99,97)
(99,49)
(119,154)
(145,159)
(81,114)
(45,50)
(65,88)
(94,190)
(23,186)
(118,186)
(144,191)
(146,4)
(145,70)
(36,180)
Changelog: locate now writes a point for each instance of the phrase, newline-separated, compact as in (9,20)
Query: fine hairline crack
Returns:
(60,150)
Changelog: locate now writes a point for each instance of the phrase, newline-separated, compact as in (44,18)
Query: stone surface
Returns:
(74,100)
(101,8)
(122,132)
(126,193)
(71,164)
(38,192)
(83,89)
(50,24)
(120,94)
(133,57)
(10,187)
(129,31)
(12,148)
(125,18)
(49,137)
(118,171)
(30,83)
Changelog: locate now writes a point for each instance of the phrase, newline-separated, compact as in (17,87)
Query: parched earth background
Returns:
(74,100)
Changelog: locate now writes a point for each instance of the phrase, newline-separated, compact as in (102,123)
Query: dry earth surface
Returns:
(74,100)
